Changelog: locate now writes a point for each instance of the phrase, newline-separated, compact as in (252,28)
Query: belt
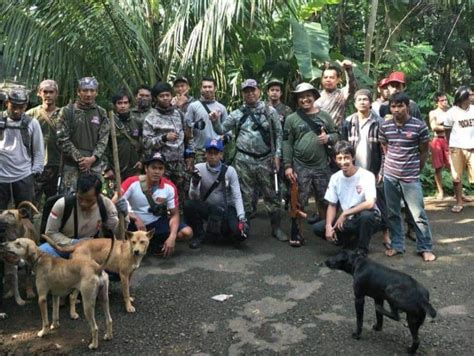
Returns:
(254,155)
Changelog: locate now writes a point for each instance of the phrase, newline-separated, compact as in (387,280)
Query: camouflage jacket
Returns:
(283,111)
(52,155)
(83,133)
(140,115)
(249,139)
(160,122)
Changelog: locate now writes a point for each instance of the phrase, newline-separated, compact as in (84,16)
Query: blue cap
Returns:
(214,143)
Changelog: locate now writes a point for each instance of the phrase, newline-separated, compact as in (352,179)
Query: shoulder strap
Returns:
(25,134)
(205,106)
(149,198)
(104,217)
(69,206)
(220,178)
(314,126)
(123,130)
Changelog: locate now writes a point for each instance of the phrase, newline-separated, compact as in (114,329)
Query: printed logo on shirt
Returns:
(135,132)
(53,215)
(358,188)
(95,120)
(160,200)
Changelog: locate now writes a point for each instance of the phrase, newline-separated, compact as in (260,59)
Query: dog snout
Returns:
(136,252)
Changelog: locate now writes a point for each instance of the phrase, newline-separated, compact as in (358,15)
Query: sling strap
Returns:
(220,178)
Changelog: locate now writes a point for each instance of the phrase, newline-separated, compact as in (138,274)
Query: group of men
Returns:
(171,158)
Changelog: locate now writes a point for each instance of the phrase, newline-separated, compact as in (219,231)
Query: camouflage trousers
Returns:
(177,173)
(70,174)
(257,173)
(312,180)
(46,184)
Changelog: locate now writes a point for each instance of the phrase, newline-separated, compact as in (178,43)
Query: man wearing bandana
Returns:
(83,135)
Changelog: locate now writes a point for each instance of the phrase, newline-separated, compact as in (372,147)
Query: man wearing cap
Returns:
(396,84)
(215,198)
(165,131)
(334,100)
(83,134)
(143,101)
(182,99)
(21,150)
(275,93)
(383,94)
(199,113)
(153,205)
(258,141)
(306,134)
(47,114)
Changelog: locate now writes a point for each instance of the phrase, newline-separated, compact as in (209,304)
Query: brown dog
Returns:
(124,260)
(59,277)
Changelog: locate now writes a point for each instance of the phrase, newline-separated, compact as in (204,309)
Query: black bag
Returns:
(216,215)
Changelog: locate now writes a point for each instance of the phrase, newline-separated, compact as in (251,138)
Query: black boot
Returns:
(277,232)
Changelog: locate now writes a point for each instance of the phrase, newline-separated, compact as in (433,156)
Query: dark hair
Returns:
(142,86)
(439,94)
(121,94)
(344,147)
(161,87)
(209,79)
(87,181)
(399,98)
(332,67)
(461,94)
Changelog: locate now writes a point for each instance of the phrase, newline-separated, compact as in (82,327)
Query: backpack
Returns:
(25,134)
(69,206)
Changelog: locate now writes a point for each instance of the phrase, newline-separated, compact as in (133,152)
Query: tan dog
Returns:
(124,260)
(16,223)
(60,277)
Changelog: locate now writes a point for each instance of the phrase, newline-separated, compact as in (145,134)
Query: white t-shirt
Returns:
(165,193)
(351,191)
(461,123)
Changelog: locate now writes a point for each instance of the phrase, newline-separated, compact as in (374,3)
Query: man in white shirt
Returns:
(354,189)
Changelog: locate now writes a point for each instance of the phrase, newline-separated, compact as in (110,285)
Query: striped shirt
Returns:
(402,160)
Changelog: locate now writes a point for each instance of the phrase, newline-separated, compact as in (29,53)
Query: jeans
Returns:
(412,194)
(50,250)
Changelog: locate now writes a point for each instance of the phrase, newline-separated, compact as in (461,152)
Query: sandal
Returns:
(392,252)
(457,209)
(428,256)
(387,245)
(298,241)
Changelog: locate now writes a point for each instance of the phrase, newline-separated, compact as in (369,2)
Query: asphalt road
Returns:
(284,301)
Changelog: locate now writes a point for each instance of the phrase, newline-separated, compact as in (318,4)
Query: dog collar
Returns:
(35,262)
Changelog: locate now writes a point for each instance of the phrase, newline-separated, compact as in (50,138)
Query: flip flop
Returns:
(392,252)
(457,209)
(426,259)
(387,245)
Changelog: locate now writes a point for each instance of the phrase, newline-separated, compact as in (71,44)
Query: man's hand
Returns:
(122,206)
(172,136)
(340,222)
(330,233)
(291,175)
(346,64)
(196,177)
(215,115)
(243,228)
(168,246)
(276,160)
(324,137)
(85,163)
(138,166)
(139,224)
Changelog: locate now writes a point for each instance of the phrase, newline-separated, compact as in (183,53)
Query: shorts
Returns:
(312,180)
(461,159)
(439,152)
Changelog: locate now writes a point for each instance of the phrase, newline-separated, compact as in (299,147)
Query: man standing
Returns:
(383,95)
(275,93)
(153,202)
(47,114)
(306,134)
(143,102)
(21,150)
(165,131)
(199,113)
(405,141)
(334,100)
(83,134)
(439,145)
(353,188)
(182,99)
(258,141)
(215,198)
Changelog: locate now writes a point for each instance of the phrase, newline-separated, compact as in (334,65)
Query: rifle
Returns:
(296,214)
(272,149)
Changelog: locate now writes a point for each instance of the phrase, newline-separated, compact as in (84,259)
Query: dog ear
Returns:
(128,235)
(151,233)
(24,213)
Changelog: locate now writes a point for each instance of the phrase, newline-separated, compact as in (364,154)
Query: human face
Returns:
(48,96)
(208,90)
(213,157)
(399,111)
(395,87)
(274,93)
(251,96)
(345,161)
(15,110)
(362,104)
(471,97)
(143,98)
(181,88)
(154,171)
(87,200)
(87,96)
(122,106)
(330,80)
(384,93)
(306,100)
(164,99)
(443,102)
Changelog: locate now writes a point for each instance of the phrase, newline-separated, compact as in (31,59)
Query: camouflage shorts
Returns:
(311,180)
(177,173)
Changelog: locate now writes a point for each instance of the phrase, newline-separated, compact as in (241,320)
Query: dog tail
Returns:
(28,204)
(425,304)
(63,249)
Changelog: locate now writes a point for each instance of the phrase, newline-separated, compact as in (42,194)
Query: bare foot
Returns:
(428,256)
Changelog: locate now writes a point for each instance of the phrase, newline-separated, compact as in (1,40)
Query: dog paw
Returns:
(132,299)
(130,309)
(108,337)
(42,332)
(93,346)
(30,295)
(54,325)
(377,327)
(20,302)
(355,335)
(3,315)
(74,316)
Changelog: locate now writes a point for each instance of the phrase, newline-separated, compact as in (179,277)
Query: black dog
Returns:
(402,292)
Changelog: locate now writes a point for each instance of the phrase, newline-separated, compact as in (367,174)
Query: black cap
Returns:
(157,156)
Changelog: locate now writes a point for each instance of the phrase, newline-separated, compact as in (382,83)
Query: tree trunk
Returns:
(370,34)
